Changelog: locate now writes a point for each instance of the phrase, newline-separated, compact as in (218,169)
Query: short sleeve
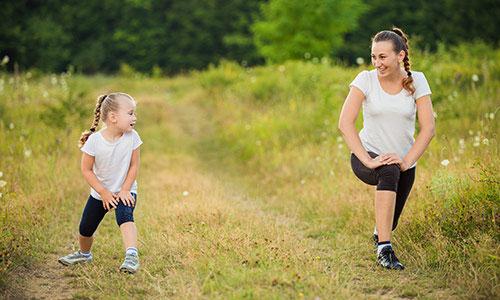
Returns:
(361,82)
(137,140)
(422,87)
(89,146)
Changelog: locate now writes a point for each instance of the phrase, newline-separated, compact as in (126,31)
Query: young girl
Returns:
(110,162)
(385,153)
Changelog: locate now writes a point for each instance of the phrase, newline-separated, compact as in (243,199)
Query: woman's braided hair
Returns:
(400,42)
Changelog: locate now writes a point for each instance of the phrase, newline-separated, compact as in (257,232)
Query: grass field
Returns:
(245,187)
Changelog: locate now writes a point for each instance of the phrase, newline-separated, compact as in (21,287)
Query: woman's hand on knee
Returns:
(374,163)
(390,159)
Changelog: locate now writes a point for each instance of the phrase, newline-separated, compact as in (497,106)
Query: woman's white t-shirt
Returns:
(112,159)
(388,120)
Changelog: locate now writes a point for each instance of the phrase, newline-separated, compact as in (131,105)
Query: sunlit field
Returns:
(245,186)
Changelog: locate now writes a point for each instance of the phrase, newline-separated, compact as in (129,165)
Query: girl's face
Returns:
(385,59)
(124,119)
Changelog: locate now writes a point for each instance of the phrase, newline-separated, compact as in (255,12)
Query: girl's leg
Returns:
(404,187)
(129,235)
(125,220)
(92,215)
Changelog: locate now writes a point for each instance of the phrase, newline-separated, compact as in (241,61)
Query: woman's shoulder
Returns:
(418,75)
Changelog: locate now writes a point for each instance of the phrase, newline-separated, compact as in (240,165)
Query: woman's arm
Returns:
(124,193)
(347,126)
(86,167)
(424,137)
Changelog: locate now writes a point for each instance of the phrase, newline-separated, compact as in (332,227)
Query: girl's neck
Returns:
(111,133)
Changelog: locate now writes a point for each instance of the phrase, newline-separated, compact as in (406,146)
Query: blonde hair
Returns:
(105,104)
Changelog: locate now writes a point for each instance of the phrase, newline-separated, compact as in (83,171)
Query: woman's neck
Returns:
(111,133)
(394,77)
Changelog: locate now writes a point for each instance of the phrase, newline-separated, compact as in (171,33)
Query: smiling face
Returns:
(385,59)
(124,118)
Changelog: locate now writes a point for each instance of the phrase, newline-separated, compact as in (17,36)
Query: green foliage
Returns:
(292,29)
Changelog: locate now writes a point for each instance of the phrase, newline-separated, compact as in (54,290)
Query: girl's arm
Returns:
(424,137)
(124,193)
(347,126)
(108,199)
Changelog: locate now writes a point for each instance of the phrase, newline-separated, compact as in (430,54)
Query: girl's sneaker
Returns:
(75,258)
(130,264)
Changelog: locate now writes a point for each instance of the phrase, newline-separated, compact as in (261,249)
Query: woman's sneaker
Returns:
(130,264)
(75,258)
(387,259)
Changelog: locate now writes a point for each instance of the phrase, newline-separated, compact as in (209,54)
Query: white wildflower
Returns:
(445,162)
(486,142)
(475,78)
(360,60)
(461,142)
(492,116)
(471,132)
(3,183)
(1,195)
(27,152)
(1,174)
(185,193)
(340,146)
(339,139)
(53,80)
(5,60)
(11,126)
(307,55)
(303,181)
(281,68)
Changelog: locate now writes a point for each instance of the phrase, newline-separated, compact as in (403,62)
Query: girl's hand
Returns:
(390,158)
(126,197)
(374,163)
(109,200)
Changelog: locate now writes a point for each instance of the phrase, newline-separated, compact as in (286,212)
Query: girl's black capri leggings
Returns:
(94,212)
(386,178)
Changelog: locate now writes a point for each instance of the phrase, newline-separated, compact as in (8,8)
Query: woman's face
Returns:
(385,59)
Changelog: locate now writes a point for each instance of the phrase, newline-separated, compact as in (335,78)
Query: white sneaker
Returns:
(75,258)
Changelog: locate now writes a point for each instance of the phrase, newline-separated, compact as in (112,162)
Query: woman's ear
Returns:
(401,56)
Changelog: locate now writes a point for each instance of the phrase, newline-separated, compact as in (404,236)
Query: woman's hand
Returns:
(126,197)
(390,158)
(109,200)
(404,166)
(373,163)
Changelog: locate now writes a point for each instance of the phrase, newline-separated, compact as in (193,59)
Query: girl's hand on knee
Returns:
(126,197)
(109,200)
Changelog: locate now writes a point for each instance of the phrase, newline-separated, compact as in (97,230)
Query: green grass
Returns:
(273,209)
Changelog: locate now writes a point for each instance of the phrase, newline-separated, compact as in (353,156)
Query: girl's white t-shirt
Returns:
(112,159)
(389,120)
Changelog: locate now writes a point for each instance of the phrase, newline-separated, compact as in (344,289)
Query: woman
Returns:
(385,153)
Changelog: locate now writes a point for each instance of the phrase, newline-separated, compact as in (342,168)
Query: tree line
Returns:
(174,36)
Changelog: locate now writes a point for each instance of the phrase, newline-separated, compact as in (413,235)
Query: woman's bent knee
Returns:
(388,178)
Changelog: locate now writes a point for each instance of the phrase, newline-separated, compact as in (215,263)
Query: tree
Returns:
(291,28)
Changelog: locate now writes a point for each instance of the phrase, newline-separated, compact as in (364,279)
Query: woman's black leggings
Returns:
(386,178)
